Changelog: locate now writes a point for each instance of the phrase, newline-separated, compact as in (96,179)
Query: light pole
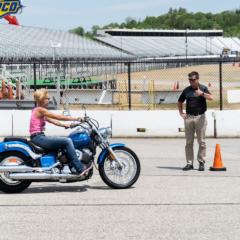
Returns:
(55,45)
(186,42)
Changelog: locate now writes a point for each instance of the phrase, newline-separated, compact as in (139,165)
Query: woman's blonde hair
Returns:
(40,95)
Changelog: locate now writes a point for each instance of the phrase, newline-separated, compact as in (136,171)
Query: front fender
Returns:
(104,152)
(15,146)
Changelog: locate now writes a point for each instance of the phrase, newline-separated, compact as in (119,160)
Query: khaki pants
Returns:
(196,124)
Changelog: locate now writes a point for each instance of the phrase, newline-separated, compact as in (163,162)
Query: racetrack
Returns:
(166,203)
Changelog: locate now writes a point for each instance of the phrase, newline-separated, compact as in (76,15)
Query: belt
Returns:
(195,114)
(36,134)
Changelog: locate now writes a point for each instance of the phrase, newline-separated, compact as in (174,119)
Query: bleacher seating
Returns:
(158,46)
(20,42)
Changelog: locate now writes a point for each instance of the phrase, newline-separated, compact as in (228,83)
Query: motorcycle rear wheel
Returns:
(116,177)
(6,184)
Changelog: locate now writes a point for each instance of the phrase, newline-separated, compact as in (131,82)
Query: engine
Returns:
(85,155)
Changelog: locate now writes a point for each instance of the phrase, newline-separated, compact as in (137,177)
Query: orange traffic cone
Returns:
(177,85)
(17,90)
(4,90)
(10,92)
(174,86)
(217,164)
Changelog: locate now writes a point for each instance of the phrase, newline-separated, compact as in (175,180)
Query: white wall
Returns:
(6,122)
(156,123)
(125,123)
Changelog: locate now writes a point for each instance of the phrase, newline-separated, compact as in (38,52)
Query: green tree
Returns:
(179,18)
(79,31)
(131,22)
(94,29)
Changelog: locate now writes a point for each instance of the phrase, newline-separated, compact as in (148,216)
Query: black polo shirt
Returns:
(194,104)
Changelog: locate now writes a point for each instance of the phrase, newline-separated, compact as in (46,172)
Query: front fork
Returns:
(113,157)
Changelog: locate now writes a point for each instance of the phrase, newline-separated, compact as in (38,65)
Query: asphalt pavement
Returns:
(165,203)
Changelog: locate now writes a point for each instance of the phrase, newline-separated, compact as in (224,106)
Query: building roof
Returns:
(159,32)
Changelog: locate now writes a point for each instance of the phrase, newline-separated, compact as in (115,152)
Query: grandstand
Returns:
(169,43)
(21,43)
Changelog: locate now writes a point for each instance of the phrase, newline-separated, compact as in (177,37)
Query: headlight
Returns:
(105,132)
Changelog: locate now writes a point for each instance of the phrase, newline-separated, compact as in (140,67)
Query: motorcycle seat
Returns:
(35,148)
(13,139)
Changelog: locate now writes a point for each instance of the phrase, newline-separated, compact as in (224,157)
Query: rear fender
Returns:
(105,152)
(18,147)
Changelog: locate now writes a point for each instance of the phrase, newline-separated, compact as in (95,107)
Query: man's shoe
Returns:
(188,167)
(86,168)
(201,167)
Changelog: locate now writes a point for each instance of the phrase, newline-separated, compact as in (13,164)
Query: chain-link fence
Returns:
(149,84)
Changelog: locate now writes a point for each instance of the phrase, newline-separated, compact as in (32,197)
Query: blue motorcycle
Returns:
(22,162)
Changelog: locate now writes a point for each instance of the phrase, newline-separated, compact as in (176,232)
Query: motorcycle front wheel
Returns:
(119,177)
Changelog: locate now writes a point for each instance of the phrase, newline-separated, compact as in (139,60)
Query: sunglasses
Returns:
(192,79)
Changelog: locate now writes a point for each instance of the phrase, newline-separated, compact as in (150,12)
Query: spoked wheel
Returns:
(119,177)
(8,185)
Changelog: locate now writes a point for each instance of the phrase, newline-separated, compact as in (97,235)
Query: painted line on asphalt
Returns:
(176,175)
(120,204)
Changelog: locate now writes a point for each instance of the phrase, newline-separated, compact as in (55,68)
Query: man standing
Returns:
(194,118)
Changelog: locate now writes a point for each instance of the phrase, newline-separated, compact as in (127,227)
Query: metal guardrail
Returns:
(23,104)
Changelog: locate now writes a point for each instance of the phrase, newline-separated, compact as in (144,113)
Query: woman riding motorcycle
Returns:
(39,116)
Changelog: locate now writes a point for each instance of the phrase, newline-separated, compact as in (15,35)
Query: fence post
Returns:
(35,79)
(35,76)
(220,84)
(129,87)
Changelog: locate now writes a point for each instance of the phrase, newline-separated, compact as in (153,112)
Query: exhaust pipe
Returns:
(16,168)
(24,168)
(43,176)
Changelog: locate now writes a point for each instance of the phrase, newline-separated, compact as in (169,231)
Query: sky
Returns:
(65,15)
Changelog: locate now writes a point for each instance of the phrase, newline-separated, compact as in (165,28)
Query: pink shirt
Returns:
(37,125)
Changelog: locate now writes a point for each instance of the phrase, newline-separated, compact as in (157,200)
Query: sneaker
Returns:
(86,168)
(201,167)
(188,167)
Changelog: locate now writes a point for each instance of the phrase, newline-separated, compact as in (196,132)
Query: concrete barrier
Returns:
(128,123)
(152,124)
(21,122)
(146,124)
(6,122)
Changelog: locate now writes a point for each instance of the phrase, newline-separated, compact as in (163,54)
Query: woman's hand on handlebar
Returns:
(66,125)
(73,125)
(70,125)
(79,119)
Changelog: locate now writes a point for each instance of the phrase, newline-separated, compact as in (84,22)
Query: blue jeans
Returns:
(55,143)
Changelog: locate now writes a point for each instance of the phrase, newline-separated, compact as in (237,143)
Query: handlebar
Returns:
(73,125)
(90,122)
